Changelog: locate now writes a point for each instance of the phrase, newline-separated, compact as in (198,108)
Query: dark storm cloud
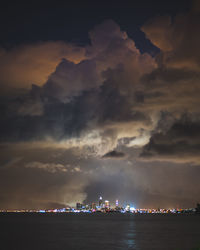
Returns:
(180,143)
(70,79)
(170,76)
(83,96)
(177,76)
(114,154)
(171,90)
(177,80)
(58,120)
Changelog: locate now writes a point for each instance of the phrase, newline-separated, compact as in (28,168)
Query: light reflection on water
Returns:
(129,237)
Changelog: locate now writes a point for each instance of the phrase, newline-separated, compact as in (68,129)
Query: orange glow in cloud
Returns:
(22,66)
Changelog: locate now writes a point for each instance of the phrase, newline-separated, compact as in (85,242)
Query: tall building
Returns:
(100,201)
(79,206)
(127,208)
(117,203)
(107,204)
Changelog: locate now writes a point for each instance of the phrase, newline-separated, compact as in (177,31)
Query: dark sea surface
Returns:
(99,231)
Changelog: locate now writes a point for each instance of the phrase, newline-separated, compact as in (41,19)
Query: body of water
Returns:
(99,231)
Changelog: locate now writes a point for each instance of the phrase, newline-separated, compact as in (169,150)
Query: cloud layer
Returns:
(89,106)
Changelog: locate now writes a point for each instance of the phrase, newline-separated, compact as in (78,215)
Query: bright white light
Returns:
(139,141)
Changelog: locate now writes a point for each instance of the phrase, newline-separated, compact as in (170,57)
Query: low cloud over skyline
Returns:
(103,119)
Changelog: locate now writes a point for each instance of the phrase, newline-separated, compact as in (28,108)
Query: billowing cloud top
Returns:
(88,106)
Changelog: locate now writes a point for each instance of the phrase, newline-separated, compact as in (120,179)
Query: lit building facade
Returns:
(117,203)
(100,202)
(107,204)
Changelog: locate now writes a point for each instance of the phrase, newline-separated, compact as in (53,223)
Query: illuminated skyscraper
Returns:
(117,203)
(127,208)
(107,204)
(100,202)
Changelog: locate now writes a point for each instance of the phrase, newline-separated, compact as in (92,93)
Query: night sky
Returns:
(99,98)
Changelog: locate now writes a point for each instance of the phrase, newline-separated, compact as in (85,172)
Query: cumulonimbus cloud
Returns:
(105,99)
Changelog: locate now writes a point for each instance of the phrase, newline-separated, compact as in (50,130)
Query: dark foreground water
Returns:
(99,231)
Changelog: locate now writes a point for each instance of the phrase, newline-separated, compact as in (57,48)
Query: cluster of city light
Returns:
(105,207)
